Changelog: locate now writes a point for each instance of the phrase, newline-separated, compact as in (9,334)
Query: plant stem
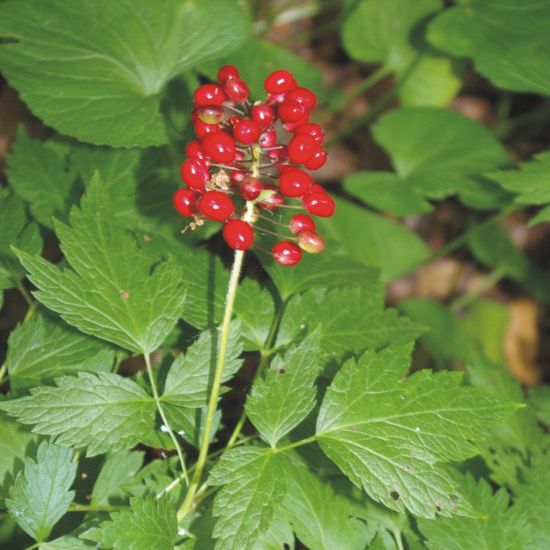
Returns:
(300,443)
(398,539)
(160,410)
(3,370)
(218,373)
(25,293)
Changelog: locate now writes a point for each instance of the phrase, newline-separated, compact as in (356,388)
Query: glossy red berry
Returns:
(303,96)
(236,90)
(216,205)
(203,128)
(247,131)
(294,182)
(273,201)
(251,188)
(291,126)
(238,234)
(185,201)
(319,204)
(290,111)
(311,242)
(193,149)
(316,160)
(194,174)
(220,147)
(211,114)
(209,94)
(301,148)
(263,115)
(226,72)
(268,139)
(313,130)
(279,82)
(300,223)
(286,253)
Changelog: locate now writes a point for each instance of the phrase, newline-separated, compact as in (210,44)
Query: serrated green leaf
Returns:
(388,245)
(286,394)
(253,486)
(67,542)
(70,69)
(103,412)
(39,176)
(539,398)
(149,525)
(429,167)
(40,495)
(507,40)
(392,32)
(118,469)
(111,291)
(42,349)
(153,478)
(392,436)
(500,526)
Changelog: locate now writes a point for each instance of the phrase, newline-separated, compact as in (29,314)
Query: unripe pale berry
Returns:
(311,242)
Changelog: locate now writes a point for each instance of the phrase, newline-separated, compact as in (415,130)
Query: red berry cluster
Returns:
(245,163)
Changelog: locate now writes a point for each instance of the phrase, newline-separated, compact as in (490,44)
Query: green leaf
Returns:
(103,412)
(351,320)
(40,495)
(507,40)
(501,526)
(70,69)
(42,349)
(392,437)
(321,518)
(253,489)
(110,290)
(149,525)
(539,398)
(392,33)
(38,175)
(286,394)
(429,167)
(118,469)
(390,246)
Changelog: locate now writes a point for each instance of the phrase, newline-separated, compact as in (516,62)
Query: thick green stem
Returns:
(165,422)
(188,503)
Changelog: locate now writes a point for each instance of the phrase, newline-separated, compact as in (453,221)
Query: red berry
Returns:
(300,223)
(279,82)
(311,242)
(237,176)
(238,234)
(291,126)
(226,72)
(185,201)
(316,160)
(301,148)
(280,154)
(272,201)
(313,130)
(290,111)
(193,149)
(263,114)
(194,174)
(294,182)
(286,253)
(236,90)
(303,96)
(209,94)
(220,147)
(247,131)
(202,128)
(211,114)
(216,206)
(276,98)
(319,204)
(268,139)
(251,188)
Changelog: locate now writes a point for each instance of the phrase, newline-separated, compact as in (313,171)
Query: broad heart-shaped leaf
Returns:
(351,320)
(507,40)
(500,526)
(391,436)
(286,394)
(70,68)
(392,32)
(38,174)
(435,153)
(40,495)
(253,488)
(149,525)
(112,290)
(531,184)
(374,240)
(42,349)
(103,413)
